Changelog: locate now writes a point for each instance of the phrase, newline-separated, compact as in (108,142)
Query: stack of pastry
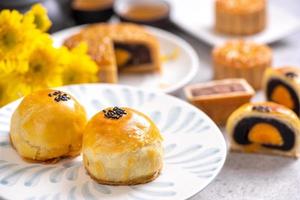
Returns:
(122,47)
(270,127)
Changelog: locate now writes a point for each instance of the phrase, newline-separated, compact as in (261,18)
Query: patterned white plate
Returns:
(195,152)
(175,73)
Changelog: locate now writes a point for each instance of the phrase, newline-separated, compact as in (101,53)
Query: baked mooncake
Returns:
(264,128)
(122,146)
(282,85)
(240,17)
(242,59)
(48,125)
(122,47)
(218,99)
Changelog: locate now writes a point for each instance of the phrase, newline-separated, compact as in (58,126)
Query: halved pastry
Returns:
(122,146)
(48,124)
(119,47)
(282,86)
(264,128)
(218,99)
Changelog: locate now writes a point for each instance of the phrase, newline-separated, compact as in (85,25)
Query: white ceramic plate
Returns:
(175,74)
(197,17)
(195,152)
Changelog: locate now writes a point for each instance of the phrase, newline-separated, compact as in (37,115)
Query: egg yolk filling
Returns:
(282,93)
(282,96)
(256,132)
(263,133)
(122,57)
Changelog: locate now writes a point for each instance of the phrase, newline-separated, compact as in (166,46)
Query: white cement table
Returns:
(256,177)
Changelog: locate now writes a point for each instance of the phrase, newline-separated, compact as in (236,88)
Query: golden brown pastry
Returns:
(242,59)
(218,99)
(264,128)
(48,124)
(122,146)
(120,47)
(282,85)
(240,17)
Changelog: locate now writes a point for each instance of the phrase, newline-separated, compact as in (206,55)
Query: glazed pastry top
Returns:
(45,117)
(239,53)
(288,72)
(115,130)
(266,109)
(45,99)
(240,6)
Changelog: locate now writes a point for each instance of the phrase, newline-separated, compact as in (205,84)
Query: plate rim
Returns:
(193,56)
(159,93)
(200,35)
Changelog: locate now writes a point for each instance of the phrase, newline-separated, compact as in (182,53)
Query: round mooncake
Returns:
(48,124)
(122,146)
(240,17)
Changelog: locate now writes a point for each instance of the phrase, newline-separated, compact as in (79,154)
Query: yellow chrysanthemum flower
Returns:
(79,67)
(12,66)
(15,38)
(12,87)
(44,68)
(28,60)
(40,17)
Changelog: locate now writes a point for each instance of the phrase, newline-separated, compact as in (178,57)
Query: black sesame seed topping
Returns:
(59,96)
(115,113)
(291,75)
(264,109)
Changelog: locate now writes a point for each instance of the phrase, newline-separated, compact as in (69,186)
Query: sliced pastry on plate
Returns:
(218,99)
(122,146)
(122,47)
(264,128)
(240,17)
(282,85)
(48,125)
(242,59)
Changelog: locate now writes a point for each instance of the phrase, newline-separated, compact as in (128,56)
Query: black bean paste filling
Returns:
(273,83)
(140,54)
(243,128)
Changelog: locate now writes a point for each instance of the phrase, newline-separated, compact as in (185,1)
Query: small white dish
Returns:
(195,151)
(197,17)
(175,74)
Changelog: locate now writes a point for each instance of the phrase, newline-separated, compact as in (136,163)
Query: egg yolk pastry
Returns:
(122,47)
(242,59)
(282,86)
(240,17)
(48,125)
(122,146)
(264,128)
